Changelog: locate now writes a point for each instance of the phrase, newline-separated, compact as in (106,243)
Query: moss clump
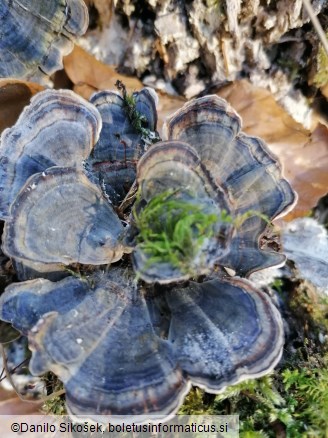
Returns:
(294,401)
(172,230)
(197,402)
(291,403)
(54,405)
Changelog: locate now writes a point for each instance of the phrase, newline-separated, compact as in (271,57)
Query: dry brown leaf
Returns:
(84,90)
(14,96)
(89,75)
(104,8)
(304,155)
(167,105)
(6,395)
(16,406)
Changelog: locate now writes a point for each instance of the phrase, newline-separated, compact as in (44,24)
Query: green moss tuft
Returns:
(54,405)
(173,230)
(138,120)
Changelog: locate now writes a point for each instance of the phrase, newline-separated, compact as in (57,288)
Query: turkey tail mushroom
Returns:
(35,35)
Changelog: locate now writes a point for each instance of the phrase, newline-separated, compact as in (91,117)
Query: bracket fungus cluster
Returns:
(131,338)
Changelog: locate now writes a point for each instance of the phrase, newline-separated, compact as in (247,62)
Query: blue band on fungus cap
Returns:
(58,128)
(61,217)
(23,304)
(122,140)
(35,35)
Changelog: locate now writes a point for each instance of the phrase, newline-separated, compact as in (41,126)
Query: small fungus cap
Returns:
(242,167)
(58,128)
(179,216)
(59,216)
(35,35)
(129,127)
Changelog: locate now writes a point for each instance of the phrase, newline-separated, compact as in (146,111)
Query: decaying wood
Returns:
(193,45)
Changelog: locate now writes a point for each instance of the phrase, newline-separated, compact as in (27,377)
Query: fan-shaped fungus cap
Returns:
(125,125)
(244,168)
(99,339)
(61,217)
(35,35)
(32,299)
(58,128)
(129,126)
(224,332)
(180,218)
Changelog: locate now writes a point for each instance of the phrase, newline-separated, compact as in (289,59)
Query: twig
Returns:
(8,374)
(13,370)
(316,24)
(129,198)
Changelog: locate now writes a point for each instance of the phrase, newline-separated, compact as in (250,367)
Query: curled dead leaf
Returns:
(104,8)
(14,96)
(90,75)
(167,105)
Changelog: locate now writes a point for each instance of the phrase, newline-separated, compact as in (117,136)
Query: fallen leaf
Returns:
(16,406)
(303,154)
(85,90)
(5,395)
(167,105)
(14,96)
(105,10)
(85,71)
